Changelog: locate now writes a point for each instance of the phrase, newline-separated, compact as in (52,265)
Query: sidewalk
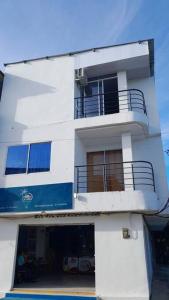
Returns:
(160,287)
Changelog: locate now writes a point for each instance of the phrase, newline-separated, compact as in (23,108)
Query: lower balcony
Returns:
(111,177)
(125,186)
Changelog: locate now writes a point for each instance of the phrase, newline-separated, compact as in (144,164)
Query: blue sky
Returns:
(36,28)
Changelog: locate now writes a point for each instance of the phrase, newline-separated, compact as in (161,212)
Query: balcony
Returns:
(116,187)
(110,103)
(111,177)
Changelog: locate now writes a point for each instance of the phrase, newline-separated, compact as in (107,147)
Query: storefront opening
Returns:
(60,257)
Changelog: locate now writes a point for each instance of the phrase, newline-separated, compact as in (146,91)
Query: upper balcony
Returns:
(105,100)
(110,103)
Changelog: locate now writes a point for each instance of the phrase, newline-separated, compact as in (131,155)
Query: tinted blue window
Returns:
(39,157)
(17,159)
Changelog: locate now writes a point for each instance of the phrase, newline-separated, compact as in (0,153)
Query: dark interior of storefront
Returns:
(55,257)
(161,246)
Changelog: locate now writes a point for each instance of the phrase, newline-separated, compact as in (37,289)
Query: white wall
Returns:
(147,86)
(120,263)
(150,149)
(8,245)
(80,152)
(122,260)
(37,105)
(38,93)
(62,156)
(142,201)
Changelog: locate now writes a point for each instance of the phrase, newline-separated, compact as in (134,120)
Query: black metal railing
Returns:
(109,103)
(138,175)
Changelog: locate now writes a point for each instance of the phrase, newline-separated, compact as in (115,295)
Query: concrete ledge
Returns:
(117,201)
(119,119)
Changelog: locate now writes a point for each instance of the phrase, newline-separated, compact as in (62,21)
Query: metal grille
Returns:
(109,103)
(115,177)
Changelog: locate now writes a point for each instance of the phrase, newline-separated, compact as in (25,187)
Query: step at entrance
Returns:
(45,295)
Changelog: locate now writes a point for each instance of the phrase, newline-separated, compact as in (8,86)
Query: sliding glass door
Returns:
(100,97)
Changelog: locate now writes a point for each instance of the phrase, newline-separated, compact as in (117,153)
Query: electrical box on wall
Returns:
(126,233)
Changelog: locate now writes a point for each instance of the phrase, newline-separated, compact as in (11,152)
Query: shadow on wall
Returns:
(16,89)
(25,87)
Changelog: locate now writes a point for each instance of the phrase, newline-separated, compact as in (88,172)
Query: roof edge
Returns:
(150,43)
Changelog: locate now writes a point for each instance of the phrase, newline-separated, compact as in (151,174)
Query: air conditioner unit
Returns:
(80,76)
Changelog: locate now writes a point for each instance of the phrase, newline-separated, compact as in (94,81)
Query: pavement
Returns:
(160,286)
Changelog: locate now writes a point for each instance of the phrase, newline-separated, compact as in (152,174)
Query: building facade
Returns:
(80,147)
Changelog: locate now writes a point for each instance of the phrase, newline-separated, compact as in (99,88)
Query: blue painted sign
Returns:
(36,198)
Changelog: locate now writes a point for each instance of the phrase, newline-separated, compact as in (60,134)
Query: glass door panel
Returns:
(111,101)
(101,97)
(91,99)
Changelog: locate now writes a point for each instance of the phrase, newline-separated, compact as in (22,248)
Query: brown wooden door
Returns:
(114,170)
(95,171)
(102,174)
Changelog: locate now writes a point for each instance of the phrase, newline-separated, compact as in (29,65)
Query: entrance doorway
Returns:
(161,246)
(56,257)
(160,286)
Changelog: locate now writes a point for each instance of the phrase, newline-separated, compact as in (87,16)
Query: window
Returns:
(39,158)
(17,159)
(28,158)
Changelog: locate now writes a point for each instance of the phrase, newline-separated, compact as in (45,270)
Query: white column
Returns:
(117,260)
(8,250)
(123,96)
(128,158)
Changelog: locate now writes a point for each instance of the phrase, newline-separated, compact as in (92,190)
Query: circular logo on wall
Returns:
(27,197)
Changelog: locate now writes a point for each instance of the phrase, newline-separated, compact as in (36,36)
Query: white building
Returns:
(81,163)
